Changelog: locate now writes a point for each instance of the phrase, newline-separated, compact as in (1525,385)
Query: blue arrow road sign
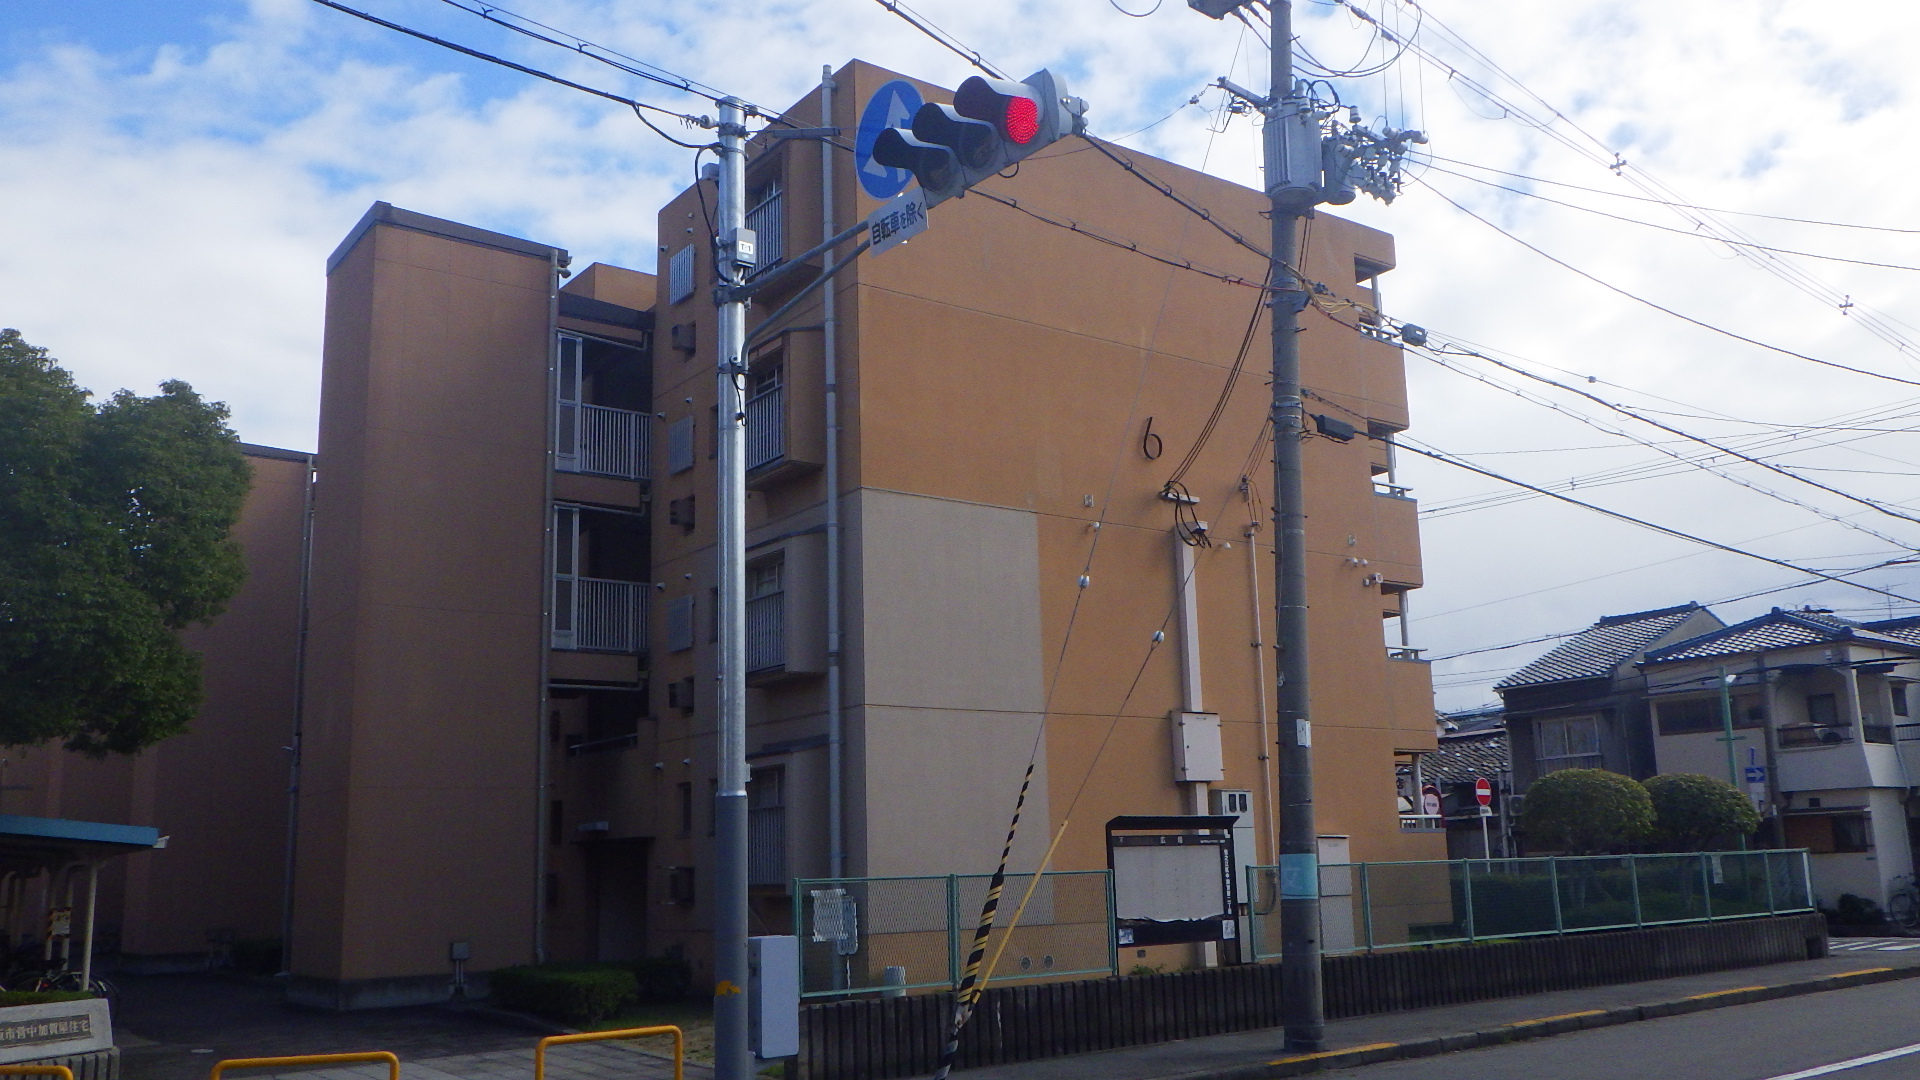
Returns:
(893,105)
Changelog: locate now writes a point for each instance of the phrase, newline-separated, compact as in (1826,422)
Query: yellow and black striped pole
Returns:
(969,993)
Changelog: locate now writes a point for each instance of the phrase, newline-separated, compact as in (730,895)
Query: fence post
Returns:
(1633,877)
(1706,886)
(1366,901)
(1466,881)
(1806,878)
(1766,871)
(1113,930)
(1553,879)
(953,930)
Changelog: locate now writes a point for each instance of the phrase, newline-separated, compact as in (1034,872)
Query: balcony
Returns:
(767,218)
(767,845)
(602,441)
(1422,823)
(767,427)
(767,633)
(1816,735)
(598,615)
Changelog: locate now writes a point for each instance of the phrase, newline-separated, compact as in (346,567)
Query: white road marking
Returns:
(1850,1063)
(1899,948)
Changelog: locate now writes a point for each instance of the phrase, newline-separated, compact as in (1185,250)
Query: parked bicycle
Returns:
(1903,902)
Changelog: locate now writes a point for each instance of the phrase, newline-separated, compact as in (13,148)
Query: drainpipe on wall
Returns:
(299,718)
(830,326)
(558,267)
(1193,699)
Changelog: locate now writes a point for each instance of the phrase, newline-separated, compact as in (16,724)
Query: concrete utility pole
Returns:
(1302,1012)
(733,255)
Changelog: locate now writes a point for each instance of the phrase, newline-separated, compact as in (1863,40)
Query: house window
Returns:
(1570,743)
(1823,710)
(1899,692)
(1851,833)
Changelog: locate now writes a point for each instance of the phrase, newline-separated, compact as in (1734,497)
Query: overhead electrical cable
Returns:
(1663,309)
(1693,233)
(522,68)
(1643,523)
(1430,157)
(945,40)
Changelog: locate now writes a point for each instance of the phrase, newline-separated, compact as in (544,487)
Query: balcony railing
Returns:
(1814,735)
(768,221)
(604,441)
(1402,652)
(767,845)
(1392,491)
(767,632)
(598,615)
(1421,822)
(767,427)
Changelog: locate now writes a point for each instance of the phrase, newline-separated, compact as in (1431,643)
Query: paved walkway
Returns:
(1194,1059)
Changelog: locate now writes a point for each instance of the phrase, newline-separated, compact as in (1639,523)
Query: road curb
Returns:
(1546,1026)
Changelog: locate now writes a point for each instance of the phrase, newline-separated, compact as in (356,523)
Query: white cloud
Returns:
(176,205)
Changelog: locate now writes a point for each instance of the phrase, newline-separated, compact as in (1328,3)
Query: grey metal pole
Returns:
(830,331)
(732,1059)
(1301,1009)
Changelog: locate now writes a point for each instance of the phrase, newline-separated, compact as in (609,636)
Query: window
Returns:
(680,694)
(680,275)
(766,629)
(680,445)
(680,623)
(1822,710)
(766,416)
(680,512)
(1899,692)
(1850,833)
(685,791)
(1571,743)
(556,823)
(680,884)
(1682,716)
(566,417)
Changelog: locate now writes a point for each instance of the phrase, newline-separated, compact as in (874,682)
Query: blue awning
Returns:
(28,843)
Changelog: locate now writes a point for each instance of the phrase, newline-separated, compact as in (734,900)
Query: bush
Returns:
(663,978)
(1586,811)
(39,997)
(1691,811)
(572,993)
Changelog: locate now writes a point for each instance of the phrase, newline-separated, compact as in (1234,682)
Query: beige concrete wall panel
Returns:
(952,776)
(951,614)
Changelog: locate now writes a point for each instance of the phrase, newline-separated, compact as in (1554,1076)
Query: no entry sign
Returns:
(1483,791)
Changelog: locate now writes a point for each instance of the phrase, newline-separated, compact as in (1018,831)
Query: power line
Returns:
(522,68)
(1645,524)
(945,40)
(1658,307)
(1432,157)
(1695,234)
(1671,430)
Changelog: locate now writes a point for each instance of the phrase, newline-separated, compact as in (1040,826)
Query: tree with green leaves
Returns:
(114,522)
(1586,812)
(1692,811)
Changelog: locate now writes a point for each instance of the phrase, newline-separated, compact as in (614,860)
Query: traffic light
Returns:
(992,123)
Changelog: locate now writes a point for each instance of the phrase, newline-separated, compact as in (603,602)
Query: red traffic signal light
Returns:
(992,123)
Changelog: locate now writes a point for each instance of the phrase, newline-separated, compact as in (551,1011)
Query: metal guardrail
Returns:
(767,632)
(767,427)
(37,1070)
(393,1063)
(679,1045)
(1387,905)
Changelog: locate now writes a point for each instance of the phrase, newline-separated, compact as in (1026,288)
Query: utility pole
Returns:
(1310,158)
(1302,1012)
(733,254)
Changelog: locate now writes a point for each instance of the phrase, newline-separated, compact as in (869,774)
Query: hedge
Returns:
(40,997)
(573,993)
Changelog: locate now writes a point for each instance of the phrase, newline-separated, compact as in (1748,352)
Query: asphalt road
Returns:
(1797,1038)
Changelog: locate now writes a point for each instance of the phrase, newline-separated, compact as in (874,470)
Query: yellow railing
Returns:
(393,1063)
(60,1071)
(679,1045)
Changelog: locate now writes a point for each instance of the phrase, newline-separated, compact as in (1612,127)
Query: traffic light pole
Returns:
(732,1058)
(1302,1013)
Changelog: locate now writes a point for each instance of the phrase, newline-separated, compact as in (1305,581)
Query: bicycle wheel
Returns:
(1903,907)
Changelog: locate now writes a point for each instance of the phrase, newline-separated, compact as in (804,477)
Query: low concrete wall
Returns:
(876,1039)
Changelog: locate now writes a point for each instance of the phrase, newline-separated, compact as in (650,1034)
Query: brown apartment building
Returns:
(509,718)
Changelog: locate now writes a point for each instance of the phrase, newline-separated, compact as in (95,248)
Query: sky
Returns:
(175,175)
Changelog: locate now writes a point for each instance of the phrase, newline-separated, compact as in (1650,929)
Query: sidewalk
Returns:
(1251,1054)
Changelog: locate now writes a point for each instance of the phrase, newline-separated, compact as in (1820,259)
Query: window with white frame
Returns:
(1571,742)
